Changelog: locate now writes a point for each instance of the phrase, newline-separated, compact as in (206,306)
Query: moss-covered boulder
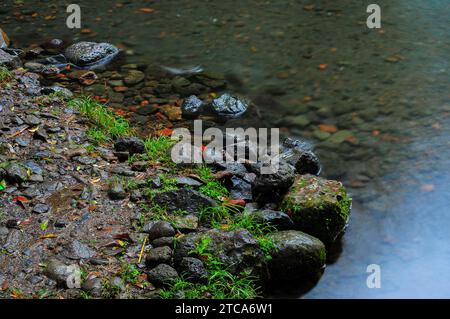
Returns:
(318,207)
(295,256)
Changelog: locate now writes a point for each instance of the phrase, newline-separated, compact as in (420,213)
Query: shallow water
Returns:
(387,89)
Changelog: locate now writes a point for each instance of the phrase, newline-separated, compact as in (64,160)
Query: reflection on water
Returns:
(374,102)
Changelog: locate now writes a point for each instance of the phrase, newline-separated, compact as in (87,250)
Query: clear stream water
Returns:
(387,89)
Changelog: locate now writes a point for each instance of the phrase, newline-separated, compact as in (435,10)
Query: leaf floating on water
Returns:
(146,10)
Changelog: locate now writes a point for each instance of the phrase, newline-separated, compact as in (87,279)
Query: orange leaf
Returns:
(330,128)
(48,236)
(166,132)
(146,10)
(323,66)
(239,202)
(20,199)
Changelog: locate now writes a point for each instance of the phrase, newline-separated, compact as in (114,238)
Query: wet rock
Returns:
(134,77)
(318,207)
(192,107)
(183,199)
(240,189)
(32,120)
(91,54)
(40,134)
(30,82)
(132,145)
(187,181)
(236,249)
(279,220)
(339,137)
(185,224)
(16,173)
(159,255)
(301,157)
(40,209)
(65,275)
(162,274)
(193,270)
(161,229)
(271,187)
(77,250)
(139,166)
(4,40)
(66,93)
(163,241)
(54,46)
(147,110)
(93,286)
(228,106)
(117,192)
(172,112)
(296,255)
(9,61)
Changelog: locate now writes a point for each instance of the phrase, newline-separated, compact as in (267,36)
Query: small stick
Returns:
(142,250)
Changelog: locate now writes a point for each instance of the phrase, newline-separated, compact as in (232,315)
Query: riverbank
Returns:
(93,206)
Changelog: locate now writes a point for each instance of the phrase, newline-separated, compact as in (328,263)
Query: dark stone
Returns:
(271,187)
(159,255)
(192,107)
(132,145)
(193,270)
(187,181)
(238,250)
(229,107)
(32,120)
(183,199)
(66,93)
(116,192)
(91,54)
(30,82)
(299,155)
(240,189)
(40,209)
(279,220)
(296,256)
(161,229)
(16,173)
(9,61)
(162,274)
(163,241)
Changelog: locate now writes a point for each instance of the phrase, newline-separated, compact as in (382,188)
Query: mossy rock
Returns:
(318,207)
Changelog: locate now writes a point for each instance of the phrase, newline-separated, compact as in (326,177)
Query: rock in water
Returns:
(9,61)
(192,107)
(269,188)
(299,155)
(229,107)
(318,207)
(4,40)
(296,255)
(91,54)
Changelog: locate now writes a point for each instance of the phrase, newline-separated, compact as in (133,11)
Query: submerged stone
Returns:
(229,106)
(91,54)
(318,207)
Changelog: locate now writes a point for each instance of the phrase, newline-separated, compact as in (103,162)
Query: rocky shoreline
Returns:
(90,188)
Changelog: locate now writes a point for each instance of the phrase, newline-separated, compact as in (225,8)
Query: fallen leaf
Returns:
(323,66)
(427,188)
(147,10)
(330,128)
(48,236)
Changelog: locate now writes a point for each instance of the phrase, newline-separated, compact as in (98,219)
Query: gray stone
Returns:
(183,199)
(161,229)
(228,106)
(91,54)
